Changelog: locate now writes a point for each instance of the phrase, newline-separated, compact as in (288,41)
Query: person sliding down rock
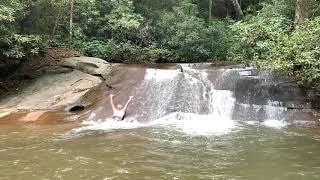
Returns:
(180,68)
(119,112)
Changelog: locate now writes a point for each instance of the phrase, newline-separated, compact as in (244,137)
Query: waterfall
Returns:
(187,99)
(172,91)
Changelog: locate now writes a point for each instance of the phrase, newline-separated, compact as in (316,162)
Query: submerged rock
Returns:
(32,116)
(6,112)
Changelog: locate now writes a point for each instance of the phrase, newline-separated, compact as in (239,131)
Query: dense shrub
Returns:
(145,31)
(114,51)
(189,38)
(21,46)
(269,41)
(95,48)
(114,31)
(12,43)
(304,46)
(258,37)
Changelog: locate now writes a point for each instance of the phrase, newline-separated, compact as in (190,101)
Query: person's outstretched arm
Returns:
(111,102)
(126,106)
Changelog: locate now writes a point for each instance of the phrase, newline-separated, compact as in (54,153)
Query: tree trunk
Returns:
(71,18)
(301,12)
(226,3)
(210,11)
(56,23)
(237,8)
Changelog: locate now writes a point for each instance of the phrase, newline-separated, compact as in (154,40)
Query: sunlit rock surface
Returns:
(79,89)
(56,88)
(89,65)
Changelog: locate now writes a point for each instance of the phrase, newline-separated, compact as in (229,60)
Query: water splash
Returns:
(275,123)
(108,125)
(186,101)
(189,123)
(167,91)
(194,124)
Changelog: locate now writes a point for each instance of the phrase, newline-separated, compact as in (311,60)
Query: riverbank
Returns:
(63,89)
(72,89)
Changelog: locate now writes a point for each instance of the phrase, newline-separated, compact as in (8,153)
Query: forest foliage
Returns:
(272,34)
(270,39)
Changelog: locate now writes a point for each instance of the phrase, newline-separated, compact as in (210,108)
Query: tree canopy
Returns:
(281,35)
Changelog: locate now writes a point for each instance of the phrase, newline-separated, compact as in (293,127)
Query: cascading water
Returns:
(170,91)
(186,99)
(202,123)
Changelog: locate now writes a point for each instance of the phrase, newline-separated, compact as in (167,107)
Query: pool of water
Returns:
(244,151)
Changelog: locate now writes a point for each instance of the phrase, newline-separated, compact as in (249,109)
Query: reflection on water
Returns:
(162,151)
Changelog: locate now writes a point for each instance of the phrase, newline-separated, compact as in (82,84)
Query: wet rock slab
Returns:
(55,88)
(264,95)
(89,65)
(81,85)
(52,91)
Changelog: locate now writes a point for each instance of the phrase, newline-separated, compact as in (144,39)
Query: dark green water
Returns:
(247,152)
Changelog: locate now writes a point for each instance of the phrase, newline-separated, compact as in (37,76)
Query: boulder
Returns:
(263,88)
(90,65)
(53,70)
(73,86)
(52,92)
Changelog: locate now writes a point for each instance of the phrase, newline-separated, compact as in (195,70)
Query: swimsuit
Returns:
(118,115)
(117,118)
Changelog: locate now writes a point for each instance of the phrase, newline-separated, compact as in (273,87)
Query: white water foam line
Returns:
(189,123)
(275,123)
(108,124)
(160,74)
(163,84)
(198,125)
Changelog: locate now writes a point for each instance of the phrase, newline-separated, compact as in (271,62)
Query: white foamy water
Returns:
(275,123)
(186,101)
(160,74)
(188,123)
(108,125)
(195,124)
(275,112)
(278,124)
